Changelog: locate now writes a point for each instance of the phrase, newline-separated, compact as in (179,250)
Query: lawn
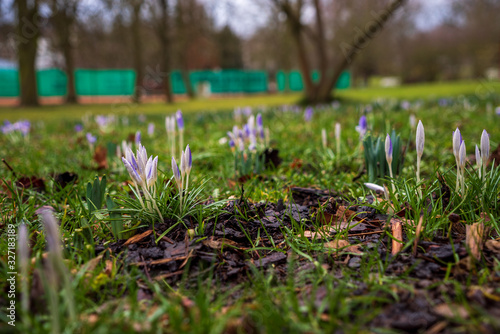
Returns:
(479,88)
(276,233)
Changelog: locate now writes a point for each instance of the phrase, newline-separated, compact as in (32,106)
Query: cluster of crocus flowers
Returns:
(144,172)
(249,135)
(105,122)
(419,141)
(181,175)
(19,127)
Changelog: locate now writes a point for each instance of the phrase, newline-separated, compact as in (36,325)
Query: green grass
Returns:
(411,92)
(324,295)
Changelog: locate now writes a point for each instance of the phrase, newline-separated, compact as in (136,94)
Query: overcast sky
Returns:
(245,16)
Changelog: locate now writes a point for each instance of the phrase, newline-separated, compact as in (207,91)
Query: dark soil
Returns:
(224,250)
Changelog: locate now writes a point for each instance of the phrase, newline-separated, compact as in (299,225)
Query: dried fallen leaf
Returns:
(397,233)
(451,311)
(137,238)
(219,243)
(101,157)
(493,245)
(344,214)
(342,245)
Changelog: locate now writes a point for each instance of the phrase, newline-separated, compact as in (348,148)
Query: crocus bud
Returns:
(189,159)
(137,137)
(457,140)
(183,164)
(485,147)
(375,187)
(259,121)
(308,114)
(362,126)
(151,129)
(337,131)
(420,139)
(323,138)
(462,155)
(388,149)
(180,120)
(478,157)
(175,170)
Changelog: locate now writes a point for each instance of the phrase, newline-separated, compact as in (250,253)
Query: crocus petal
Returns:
(180,120)
(485,146)
(175,170)
(420,139)
(375,187)
(462,154)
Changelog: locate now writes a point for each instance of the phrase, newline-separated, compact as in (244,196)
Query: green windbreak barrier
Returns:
(9,83)
(292,81)
(104,82)
(51,82)
(224,81)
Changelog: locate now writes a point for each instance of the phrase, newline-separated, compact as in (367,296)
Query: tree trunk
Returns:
(137,52)
(295,28)
(322,92)
(70,74)
(28,33)
(164,34)
(351,51)
(187,82)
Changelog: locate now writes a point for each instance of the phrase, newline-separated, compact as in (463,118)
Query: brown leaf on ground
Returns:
(397,233)
(137,238)
(475,239)
(451,311)
(219,243)
(493,245)
(101,157)
(344,214)
(342,245)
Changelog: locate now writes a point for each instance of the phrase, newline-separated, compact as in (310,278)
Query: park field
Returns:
(409,92)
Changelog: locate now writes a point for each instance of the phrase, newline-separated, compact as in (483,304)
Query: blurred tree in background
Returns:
(420,41)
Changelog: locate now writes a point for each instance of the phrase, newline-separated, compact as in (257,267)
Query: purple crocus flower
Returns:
(176,171)
(308,114)
(90,138)
(497,111)
(138,137)
(24,127)
(362,126)
(78,128)
(260,124)
(151,129)
(180,120)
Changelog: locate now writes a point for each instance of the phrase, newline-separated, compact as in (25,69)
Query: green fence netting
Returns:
(52,82)
(224,81)
(9,83)
(104,82)
(292,80)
